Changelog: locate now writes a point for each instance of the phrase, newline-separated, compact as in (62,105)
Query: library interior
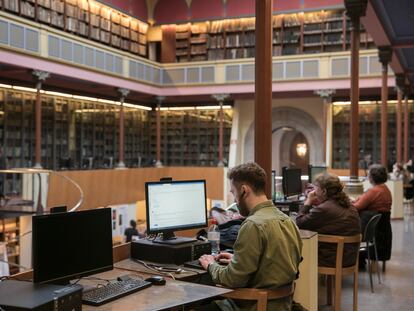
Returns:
(206,155)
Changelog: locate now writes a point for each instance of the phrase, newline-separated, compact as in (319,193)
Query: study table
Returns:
(165,297)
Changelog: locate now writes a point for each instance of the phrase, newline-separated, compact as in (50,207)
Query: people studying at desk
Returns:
(131,231)
(268,248)
(375,200)
(328,210)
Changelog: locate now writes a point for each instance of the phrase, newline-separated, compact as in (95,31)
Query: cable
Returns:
(15,264)
(158,272)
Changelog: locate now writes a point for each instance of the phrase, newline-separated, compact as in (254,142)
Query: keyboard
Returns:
(112,291)
(194,264)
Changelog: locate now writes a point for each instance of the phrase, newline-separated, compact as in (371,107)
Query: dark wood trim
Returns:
(399,125)
(263,89)
(38,127)
(406,129)
(384,115)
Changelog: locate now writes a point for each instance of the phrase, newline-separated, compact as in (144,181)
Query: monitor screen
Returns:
(71,245)
(175,205)
(292,183)
(314,171)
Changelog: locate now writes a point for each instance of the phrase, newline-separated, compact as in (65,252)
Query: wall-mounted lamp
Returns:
(301,149)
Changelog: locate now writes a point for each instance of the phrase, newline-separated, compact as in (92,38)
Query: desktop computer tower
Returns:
(24,296)
(171,254)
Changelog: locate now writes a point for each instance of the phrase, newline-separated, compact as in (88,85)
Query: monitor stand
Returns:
(170,239)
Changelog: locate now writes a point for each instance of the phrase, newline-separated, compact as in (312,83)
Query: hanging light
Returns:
(301,149)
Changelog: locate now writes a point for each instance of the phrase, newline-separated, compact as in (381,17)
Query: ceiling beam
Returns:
(403,45)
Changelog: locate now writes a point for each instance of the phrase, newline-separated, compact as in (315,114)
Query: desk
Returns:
(169,296)
(306,291)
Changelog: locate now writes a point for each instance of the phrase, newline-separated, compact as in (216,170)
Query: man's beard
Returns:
(243,208)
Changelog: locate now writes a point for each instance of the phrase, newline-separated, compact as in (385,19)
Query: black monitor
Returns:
(314,171)
(273,184)
(71,245)
(291,181)
(175,205)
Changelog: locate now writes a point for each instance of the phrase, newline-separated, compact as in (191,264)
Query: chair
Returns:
(338,271)
(368,241)
(261,295)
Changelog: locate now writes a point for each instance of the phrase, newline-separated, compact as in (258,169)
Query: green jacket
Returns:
(267,253)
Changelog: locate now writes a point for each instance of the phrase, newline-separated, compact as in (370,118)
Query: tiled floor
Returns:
(397,289)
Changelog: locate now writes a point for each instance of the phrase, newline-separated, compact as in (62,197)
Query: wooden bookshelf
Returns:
(86,18)
(296,33)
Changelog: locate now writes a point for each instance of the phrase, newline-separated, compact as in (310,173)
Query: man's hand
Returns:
(205,260)
(224,258)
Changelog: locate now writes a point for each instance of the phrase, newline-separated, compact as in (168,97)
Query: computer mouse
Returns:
(156,280)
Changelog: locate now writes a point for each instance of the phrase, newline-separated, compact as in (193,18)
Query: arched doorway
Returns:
(287,123)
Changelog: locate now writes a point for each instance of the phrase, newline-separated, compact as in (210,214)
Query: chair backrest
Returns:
(261,295)
(340,241)
(371,227)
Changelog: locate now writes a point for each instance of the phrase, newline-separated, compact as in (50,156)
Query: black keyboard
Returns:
(194,264)
(112,291)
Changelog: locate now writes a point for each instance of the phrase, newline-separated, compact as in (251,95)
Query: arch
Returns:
(288,117)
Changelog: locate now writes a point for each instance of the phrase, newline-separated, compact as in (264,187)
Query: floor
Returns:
(397,289)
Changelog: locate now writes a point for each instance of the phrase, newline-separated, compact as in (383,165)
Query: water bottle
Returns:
(213,235)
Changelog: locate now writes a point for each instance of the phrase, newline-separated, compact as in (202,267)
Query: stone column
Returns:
(40,77)
(406,122)
(400,83)
(121,158)
(263,90)
(384,55)
(326,96)
(354,10)
(159,99)
(220,98)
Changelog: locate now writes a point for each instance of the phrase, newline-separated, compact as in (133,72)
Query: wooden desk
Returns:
(188,274)
(306,291)
(169,296)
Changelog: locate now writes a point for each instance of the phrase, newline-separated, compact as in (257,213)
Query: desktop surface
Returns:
(171,295)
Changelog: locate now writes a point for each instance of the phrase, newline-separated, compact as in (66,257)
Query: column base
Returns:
(158,164)
(37,166)
(220,164)
(120,166)
(354,188)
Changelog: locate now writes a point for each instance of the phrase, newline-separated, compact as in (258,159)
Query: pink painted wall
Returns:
(240,7)
(322,3)
(202,9)
(171,11)
(286,5)
(135,8)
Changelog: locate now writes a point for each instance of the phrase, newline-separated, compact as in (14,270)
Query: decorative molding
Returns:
(40,77)
(220,97)
(160,99)
(385,55)
(326,93)
(355,9)
(123,93)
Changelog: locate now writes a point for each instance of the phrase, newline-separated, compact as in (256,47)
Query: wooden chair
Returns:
(261,295)
(338,271)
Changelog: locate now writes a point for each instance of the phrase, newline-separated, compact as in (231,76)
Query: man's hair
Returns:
(378,174)
(333,187)
(133,223)
(249,173)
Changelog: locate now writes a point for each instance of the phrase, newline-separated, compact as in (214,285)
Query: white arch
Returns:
(294,118)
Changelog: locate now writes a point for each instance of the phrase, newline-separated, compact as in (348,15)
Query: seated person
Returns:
(334,215)
(129,232)
(267,251)
(229,222)
(378,199)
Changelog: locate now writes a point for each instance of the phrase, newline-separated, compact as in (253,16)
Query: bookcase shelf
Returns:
(295,33)
(85,18)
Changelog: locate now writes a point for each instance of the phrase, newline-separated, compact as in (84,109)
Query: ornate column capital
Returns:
(220,97)
(160,99)
(355,9)
(325,93)
(123,93)
(40,77)
(384,55)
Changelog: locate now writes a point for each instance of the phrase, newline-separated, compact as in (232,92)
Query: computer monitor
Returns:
(175,205)
(291,181)
(71,245)
(314,171)
(273,184)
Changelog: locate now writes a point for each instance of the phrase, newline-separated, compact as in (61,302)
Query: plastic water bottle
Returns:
(213,235)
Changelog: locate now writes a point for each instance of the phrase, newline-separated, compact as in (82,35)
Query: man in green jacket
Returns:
(268,248)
